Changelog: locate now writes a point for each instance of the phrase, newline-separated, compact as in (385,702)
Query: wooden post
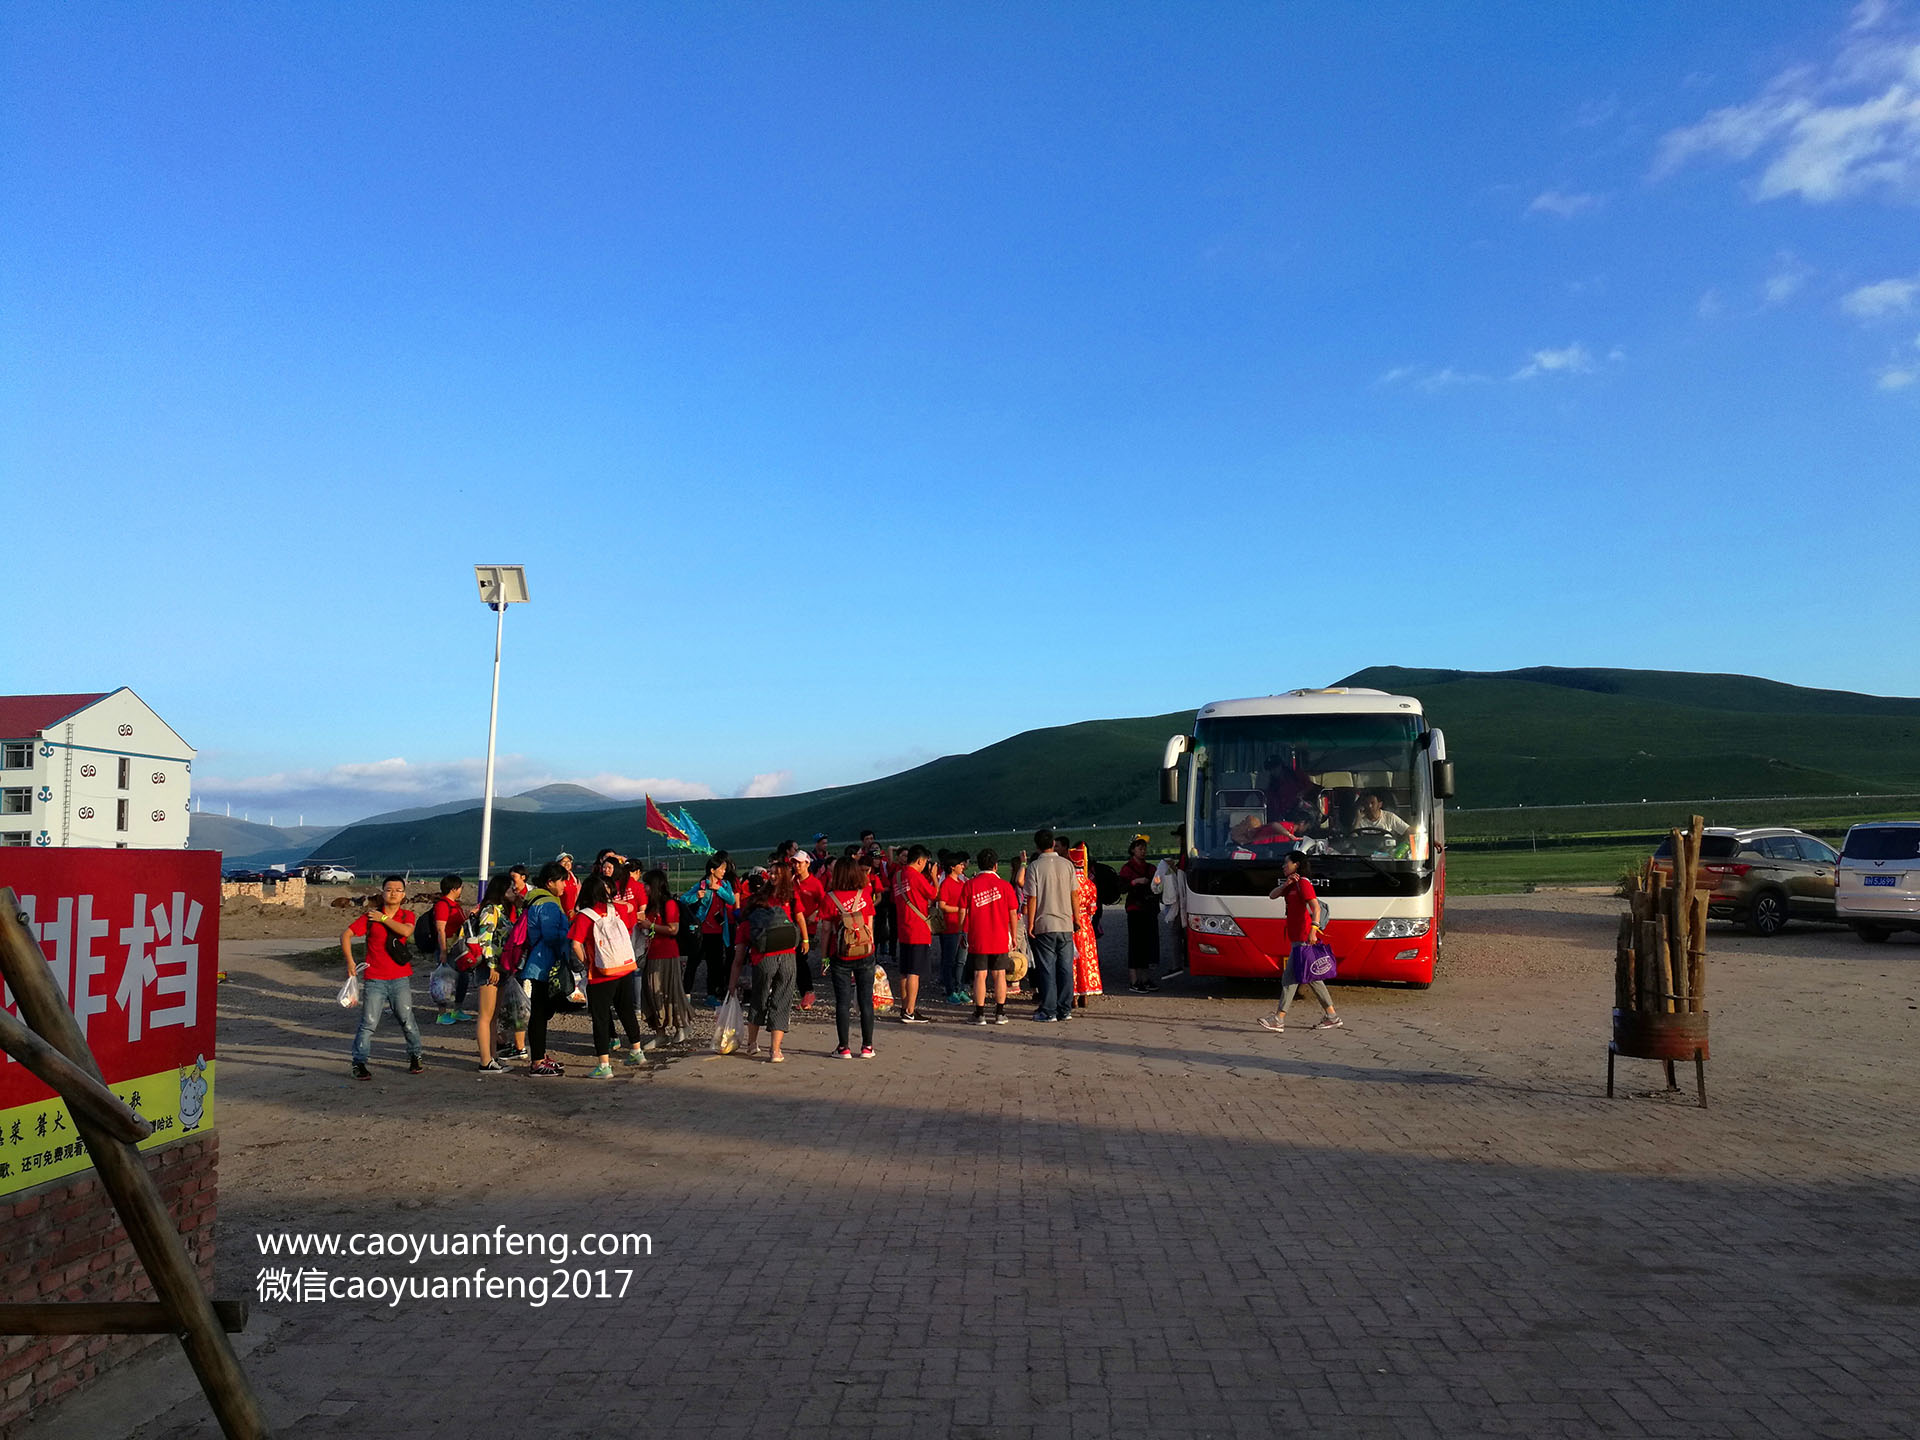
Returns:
(126,1179)
(1697,952)
(79,1089)
(1649,967)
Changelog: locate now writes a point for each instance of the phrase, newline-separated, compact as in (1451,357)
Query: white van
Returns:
(1877,883)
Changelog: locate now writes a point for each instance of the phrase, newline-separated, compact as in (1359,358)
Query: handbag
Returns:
(1314,963)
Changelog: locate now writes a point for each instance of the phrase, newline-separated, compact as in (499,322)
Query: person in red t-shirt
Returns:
(811,892)
(663,998)
(610,977)
(388,985)
(913,892)
(989,905)
(449,921)
(849,908)
(1303,930)
(947,908)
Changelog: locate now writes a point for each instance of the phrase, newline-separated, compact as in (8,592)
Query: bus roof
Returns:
(1337,701)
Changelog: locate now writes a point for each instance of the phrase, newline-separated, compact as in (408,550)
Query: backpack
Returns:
(771,932)
(515,950)
(612,945)
(426,939)
(853,936)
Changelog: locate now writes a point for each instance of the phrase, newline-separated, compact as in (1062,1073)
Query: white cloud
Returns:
(1841,130)
(1882,298)
(339,793)
(1790,274)
(1896,377)
(770,783)
(1710,306)
(1574,359)
(1556,202)
(1427,378)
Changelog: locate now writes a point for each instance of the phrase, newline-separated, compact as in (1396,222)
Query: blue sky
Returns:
(861,384)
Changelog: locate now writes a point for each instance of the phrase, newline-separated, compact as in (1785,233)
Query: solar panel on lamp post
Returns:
(500,586)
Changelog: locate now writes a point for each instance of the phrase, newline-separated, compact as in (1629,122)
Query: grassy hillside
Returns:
(1081,774)
(1534,738)
(250,842)
(1574,737)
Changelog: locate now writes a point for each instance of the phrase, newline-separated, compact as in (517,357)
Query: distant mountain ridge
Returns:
(1540,736)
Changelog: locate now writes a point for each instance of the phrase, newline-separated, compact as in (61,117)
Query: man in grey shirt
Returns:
(1047,900)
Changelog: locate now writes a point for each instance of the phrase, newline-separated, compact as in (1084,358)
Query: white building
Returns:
(92,770)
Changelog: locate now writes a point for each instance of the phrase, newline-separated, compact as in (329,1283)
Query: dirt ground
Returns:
(1155,1221)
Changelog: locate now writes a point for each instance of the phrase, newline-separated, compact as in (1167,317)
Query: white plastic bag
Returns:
(727,1021)
(350,991)
(442,984)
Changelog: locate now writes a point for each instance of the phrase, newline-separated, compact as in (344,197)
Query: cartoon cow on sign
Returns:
(193,1094)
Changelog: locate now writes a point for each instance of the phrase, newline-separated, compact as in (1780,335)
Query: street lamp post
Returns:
(500,586)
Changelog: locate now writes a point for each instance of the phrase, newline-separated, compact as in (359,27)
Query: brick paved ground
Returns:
(1155,1221)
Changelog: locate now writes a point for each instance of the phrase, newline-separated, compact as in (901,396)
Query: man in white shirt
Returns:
(1374,816)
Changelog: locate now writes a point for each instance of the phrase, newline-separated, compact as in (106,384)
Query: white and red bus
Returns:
(1355,779)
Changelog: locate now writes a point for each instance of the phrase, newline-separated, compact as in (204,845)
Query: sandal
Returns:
(776,1059)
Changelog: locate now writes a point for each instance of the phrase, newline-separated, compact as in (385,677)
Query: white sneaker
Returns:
(1329,1022)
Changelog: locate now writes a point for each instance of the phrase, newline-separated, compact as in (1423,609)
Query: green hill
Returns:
(1531,737)
(1573,737)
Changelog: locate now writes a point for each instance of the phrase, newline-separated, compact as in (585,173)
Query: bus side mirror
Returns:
(1170,770)
(1443,779)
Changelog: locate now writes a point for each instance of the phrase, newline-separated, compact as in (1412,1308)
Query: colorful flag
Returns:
(661,825)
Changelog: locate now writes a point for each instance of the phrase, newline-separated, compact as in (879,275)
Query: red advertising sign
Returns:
(133,938)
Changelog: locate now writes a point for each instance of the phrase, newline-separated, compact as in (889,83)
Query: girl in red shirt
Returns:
(663,995)
(610,978)
(849,912)
(1303,931)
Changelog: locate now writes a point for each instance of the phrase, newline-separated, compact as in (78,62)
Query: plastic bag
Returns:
(727,1021)
(442,984)
(882,990)
(349,995)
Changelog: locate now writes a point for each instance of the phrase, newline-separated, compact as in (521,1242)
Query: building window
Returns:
(16,755)
(120,816)
(16,802)
(15,837)
(126,776)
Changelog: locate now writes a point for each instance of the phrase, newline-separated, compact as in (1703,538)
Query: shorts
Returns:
(916,960)
(990,962)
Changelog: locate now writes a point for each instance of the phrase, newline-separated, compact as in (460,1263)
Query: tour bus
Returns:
(1354,779)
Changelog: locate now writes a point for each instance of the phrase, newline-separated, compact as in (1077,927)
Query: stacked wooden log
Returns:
(1660,961)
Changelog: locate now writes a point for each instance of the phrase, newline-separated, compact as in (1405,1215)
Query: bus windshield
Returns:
(1331,785)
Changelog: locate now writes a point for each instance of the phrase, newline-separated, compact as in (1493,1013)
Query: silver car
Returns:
(1877,887)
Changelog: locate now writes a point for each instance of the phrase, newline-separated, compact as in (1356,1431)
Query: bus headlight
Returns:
(1399,927)
(1214,925)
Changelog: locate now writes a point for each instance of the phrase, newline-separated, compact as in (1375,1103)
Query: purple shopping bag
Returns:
(1313,962)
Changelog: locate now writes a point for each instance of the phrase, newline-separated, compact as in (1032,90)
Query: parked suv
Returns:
(1763,877)
(1879,878)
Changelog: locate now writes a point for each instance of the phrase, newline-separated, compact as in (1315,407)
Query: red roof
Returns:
(25,715)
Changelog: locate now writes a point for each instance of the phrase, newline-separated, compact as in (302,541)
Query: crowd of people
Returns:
(620,943)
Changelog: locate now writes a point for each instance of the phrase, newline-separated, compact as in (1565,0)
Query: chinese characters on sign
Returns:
(133,940)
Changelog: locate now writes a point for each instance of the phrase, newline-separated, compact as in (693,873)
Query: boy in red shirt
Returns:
(989,904)
(947,901)
(913,892)
(388,985)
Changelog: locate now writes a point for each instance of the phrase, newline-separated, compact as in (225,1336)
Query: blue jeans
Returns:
(1053,971)
(949,963)
(377,997)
